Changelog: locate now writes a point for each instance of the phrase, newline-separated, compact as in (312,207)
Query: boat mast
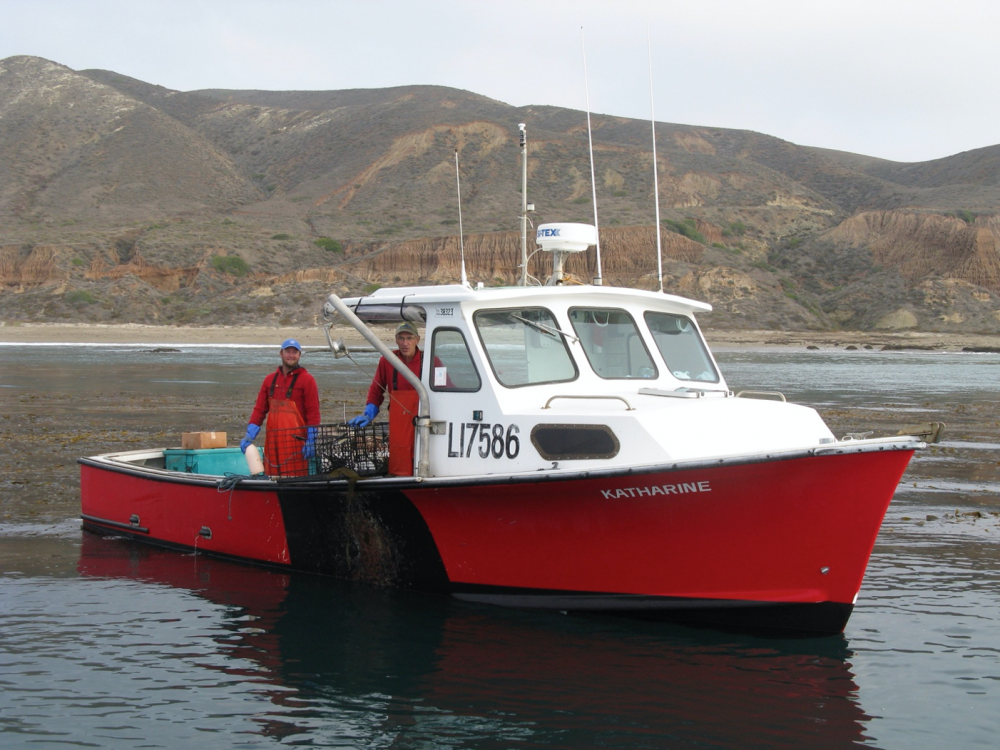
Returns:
(523,281)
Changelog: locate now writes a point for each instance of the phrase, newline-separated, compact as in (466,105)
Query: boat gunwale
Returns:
(111,462)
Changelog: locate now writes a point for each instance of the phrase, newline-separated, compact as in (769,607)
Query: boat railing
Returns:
(685,393)
(617,398)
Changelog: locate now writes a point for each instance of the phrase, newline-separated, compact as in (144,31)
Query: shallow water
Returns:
(110,644)
(862,377)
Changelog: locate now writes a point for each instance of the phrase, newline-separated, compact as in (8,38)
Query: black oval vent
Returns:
(555,442)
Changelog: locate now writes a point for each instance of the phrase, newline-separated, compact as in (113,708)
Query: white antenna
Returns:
(523,281)
(590,143)
(461,240)
(656,182)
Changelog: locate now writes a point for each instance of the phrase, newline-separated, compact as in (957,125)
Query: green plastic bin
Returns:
(215,461)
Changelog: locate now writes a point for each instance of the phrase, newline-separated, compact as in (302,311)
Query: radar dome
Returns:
(566,237)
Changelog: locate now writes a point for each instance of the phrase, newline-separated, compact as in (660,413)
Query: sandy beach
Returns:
(313,336)
(58,333)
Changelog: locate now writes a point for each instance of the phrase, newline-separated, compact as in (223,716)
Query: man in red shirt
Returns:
(403,399)
(289,399)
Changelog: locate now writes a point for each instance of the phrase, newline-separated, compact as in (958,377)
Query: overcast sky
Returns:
(907,80)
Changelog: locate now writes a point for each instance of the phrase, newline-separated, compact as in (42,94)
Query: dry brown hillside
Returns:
(125,201)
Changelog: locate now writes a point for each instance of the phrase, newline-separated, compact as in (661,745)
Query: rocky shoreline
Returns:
(60,333)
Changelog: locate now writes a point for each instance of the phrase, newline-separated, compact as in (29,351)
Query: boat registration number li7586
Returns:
(494,440)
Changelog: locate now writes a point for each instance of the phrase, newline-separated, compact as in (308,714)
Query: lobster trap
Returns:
(322,449)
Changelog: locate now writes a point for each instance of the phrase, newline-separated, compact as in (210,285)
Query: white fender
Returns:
(254,462)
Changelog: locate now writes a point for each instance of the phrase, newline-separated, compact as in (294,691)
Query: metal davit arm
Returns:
(423,420)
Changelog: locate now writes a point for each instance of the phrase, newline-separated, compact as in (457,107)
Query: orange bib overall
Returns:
(403,407)
(286,435)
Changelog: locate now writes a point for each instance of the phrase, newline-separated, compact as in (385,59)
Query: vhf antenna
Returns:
(461,240)
(523,281)
(656,184)
(590,143)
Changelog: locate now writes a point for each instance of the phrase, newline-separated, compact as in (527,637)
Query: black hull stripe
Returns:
(95,521)
(804,618)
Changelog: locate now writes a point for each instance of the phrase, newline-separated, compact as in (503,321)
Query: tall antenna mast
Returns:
(656,182)
(461,240)
(590,144)
(523,281)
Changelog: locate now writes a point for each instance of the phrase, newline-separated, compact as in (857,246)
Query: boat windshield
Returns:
(612,343)
(681,347)
(525,346)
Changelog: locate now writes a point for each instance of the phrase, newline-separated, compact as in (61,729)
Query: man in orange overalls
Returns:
(289,398)
(403,400)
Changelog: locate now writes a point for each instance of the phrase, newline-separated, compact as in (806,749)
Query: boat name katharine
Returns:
(657,489)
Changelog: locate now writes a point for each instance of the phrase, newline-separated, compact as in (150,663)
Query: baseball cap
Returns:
(291,343)
(406,327)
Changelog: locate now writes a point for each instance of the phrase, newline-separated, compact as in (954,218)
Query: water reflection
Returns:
(340,664)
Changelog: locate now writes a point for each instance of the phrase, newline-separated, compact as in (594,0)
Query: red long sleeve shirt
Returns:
(383,377)
(305,394)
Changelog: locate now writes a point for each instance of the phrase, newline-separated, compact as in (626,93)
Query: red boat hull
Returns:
(184,513)
(777,543)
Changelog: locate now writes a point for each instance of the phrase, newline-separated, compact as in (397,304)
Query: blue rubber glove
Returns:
(309,449)
(363,420)
(252,431)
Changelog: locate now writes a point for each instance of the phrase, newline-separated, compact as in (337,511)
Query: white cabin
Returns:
(577,378)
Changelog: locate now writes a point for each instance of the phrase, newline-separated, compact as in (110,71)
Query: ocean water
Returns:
(106,643)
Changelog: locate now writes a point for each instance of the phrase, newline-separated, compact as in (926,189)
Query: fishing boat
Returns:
(576,448)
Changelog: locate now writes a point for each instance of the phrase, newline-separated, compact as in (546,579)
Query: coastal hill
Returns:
(123,201)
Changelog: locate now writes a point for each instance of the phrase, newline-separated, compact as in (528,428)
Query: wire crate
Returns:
(320,450)
(364,450)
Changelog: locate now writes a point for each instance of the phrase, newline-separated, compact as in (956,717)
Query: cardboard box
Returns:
(200,440)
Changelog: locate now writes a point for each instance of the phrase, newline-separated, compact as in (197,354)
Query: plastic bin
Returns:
(215,461)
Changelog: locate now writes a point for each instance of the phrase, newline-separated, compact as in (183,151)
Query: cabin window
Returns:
(563,442)
(612,343)
(453,369)
(681,347)
(525,346)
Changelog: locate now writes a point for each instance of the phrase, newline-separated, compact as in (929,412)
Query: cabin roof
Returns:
(541,295)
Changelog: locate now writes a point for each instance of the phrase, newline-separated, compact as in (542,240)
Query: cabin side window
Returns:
(612,343)
(525,346)
(681,347)
(453,369)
